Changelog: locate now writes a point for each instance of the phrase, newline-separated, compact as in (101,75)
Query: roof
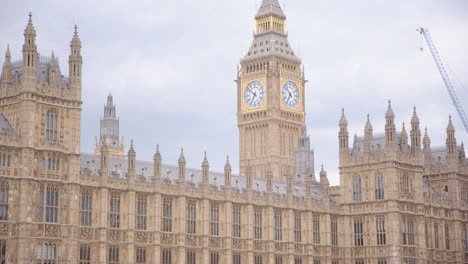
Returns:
(42,70)
(377,143)
(270,7)
(270,44)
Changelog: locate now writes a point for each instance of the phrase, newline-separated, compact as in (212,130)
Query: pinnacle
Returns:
(30,18)
(415,118)
(270,7)
(389,113)
(403,129)
(450,125)
(7,53)
(343,120)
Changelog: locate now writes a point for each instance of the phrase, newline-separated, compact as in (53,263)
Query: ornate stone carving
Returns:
(298,248)
(167,239)
(191,241)
(259,245)
(52,230)
(142,237)
(237,244)
(86,233)
(3,229)
(215,242)
(115,235)
(279,247)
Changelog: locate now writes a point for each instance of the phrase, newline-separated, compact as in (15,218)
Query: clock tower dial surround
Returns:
(270,125)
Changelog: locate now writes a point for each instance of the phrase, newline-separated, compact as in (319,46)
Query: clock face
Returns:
(254,94)
(290,94)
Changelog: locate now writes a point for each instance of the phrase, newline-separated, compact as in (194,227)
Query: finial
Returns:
(76,29)
(322,168)
(182,151)
(227,159)
(157,147)
(414,109)
(368,118)
(131,143)
(389,103)
(403,126)
(30,18)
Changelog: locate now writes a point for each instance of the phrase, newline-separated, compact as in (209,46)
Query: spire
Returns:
(182,164)
(390,129)
(427,150)
(131,151)
(227,173)
(343,121)
(389,113)
(404,139)
(415,133)
(29,51)
(450,126)
(6,72)
(8,54)
(368,128)
(343,137)
(270,8)
(451,142)
(181,157)
(75,62)
(323,177)
(269,177)
(415,118)
(30,30)
(131,161)
(367,135)
(157,166)
(205,171)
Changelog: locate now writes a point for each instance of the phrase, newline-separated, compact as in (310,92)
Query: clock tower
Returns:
(270,94)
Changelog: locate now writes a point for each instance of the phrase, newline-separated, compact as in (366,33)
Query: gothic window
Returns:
(465,193)
(278,260)
(3,252)
(436,235)
(236,259)
(379,187)
(334,231)
(5,160)
(113,257)
(140,255)
(297,228)
(258,224)
(141,212)
(447,237)
(258,260)
(299,261)
(53,164)
(359,261)
(407,227)
(316,229)
(86,207)
(316,261)
(214,219)
(166,256)
(48,204)
(236,222)
(382,261)
(114,212)
(465,237)
(191,217)
(405,184)
(426,235)
(358,233)
(4,201)
(380,229)
(167,215)
(85,254)
(51,125)
(46,253)
(278,226)
(191,257)
(357,195)
(214,258)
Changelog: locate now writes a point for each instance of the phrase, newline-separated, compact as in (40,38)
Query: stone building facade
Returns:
(399,200)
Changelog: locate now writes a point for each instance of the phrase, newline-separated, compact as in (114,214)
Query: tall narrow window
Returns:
(5,160)
(113,257)
(379,187)
(334,231)
(426,235)
(316,261)
(436,235)
(51,125)
(141,212)
(278,226)
(191,217)
(297,228)
(316,229)
(166,256)
(358,233)
(258,224)
(167,215)
(48,204)
(258,260)
(191,257)
(405,184)
(465,237)
(299,261)
(4,201)
(86,207)
(236,258)
(407,230)
(140,256)
(214,258)
(447,237)
(3,252)
(85,254)
(357,196)
(278,260)
(381,261)
(114,213)
(214,219)
(380,228)
(236,221)
(46,253)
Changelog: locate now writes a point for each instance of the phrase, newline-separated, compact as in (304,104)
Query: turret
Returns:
(7,68)
(404,139)
(462,156)
(451,142)
(227,174)
(390,129)
(75,62)
(427,150)
(53,70)
(324,182)
(415,134)
(131,162)
(104,159)
(182,164)
(367,136)
(157,165)
(343,137)
(205,171)
(30,56)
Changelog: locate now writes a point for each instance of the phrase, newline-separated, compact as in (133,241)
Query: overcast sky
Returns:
(171,64)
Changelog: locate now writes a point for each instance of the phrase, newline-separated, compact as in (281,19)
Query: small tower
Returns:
(343,137)
(7,68)
(404,139)
(304,156)
(227,174)
(110,128)
(324,182)
(390,129)
(30,56)
(75,62)
(182,164)
(367,136)
(451,143)
(131,162)
(415,134)
(157,165)
(53,70)
(104,160)
(427,150)
(205,172)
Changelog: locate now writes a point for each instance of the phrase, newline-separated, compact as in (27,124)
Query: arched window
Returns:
(405,183)
(51,125)
(357,195)
(379,187)
(465,193)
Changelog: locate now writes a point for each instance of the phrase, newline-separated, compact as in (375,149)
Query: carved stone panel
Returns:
(115,235)
(86,233)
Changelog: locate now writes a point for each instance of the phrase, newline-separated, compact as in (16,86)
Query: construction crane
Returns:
(445,77)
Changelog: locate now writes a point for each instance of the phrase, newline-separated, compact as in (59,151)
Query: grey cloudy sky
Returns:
(171,64)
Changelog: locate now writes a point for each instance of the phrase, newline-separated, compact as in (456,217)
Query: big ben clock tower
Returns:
(270,95)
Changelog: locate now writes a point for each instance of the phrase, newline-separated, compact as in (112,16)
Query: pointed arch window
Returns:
(379,187)
(51,125)
(357,194)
